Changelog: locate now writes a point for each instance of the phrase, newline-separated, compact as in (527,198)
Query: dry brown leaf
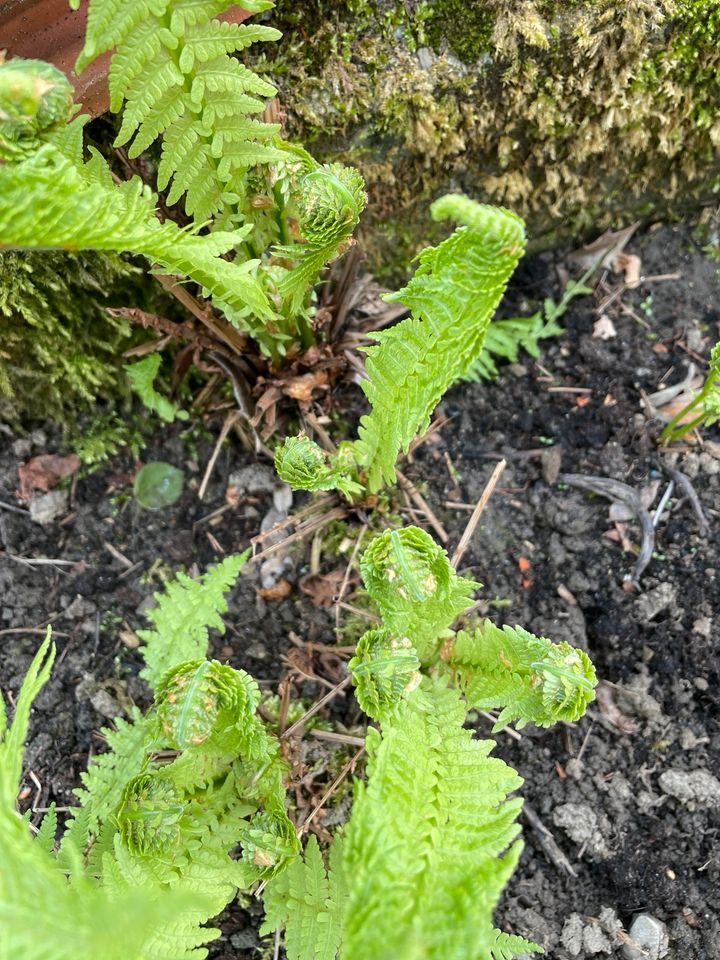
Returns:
(607,246)
(323,588)
(301,388)
(631,265)
(605,699)
(45,471)
(278,591)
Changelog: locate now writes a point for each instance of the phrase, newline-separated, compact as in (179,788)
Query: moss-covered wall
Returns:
(575,113)
(59,349)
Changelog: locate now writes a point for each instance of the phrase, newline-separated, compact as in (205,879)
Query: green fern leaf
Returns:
(452,297)
(45,838)
(308,901)
(184,614)
(331,198)
(142,377)
(35,100)
(431,838)
(384,669)
(172,67)
(530,678)
(416,590)
(46,202)
(305,466)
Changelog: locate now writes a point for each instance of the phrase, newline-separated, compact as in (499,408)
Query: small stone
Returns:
(650,604)
(572,934)
(583,826)
(550,464)
(703,627)
(255,478)
(105,704)
(49,507)
(650,939)
(691,787)
(22,448)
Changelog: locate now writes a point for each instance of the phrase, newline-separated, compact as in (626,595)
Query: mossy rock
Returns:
(60,351)
(574,113)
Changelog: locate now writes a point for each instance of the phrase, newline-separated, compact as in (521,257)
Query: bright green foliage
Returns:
(48,201)
(384,669)
(305,466)
(331,198)
(309,901)
(414,587)
(529,677)
(142,377)
(35,99)
(41,914)
(184,613)
(430,842)
(505,338)
(173,71)
(149,815)
(452,297)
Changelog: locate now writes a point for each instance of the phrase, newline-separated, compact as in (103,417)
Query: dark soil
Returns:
(600,787)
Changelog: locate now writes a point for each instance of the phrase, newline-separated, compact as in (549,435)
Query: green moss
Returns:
(60,352)
(578,114)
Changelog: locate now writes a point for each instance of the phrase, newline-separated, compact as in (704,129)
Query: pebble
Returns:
(650,939)
(650,604)
(49,507)
(254,478)
(696,787)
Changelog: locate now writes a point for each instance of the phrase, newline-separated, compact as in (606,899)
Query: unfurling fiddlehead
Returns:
(385,669)
(148,817)
(305,466)
(203,699)
(529,677)
(35,98)
(417,591)
(330,200)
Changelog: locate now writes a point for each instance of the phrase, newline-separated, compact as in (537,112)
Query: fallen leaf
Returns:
(323,588)
(582,401)
(278,591)
(607,246)
(301,388)
(604,328)
(605,699)
(45,471)
(629,264)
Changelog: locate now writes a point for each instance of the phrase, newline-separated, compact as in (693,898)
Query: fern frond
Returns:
(331,198)
(529,677)
(35,100)
(46,202)
(41,914)
(184,614)
(431,838)
(13,739)
(452,297)
(45,838)
(416,590)
(308,901)
(129,745)
(142,378)
(384,669)
(305,466)
(171,60)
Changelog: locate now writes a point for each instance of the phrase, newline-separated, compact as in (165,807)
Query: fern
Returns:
(172,70)
(529,677)
(183,616)
(142,377)
(452,297)
(47,202)
(384,669)
(308,901)
(414,587)
(432,837)
(41,914)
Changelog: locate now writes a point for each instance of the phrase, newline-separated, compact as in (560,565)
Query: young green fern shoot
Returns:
(707,402)
(452,296)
